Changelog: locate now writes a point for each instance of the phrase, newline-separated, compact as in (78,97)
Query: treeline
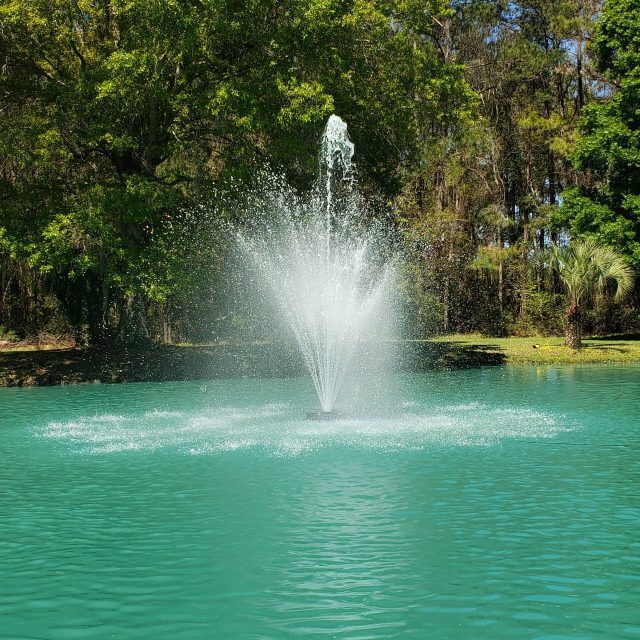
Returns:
(488,129)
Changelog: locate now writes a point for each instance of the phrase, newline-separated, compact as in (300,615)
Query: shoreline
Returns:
(45,365)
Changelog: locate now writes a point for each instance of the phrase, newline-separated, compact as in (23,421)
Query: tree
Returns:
(118,115)
(606,204)
(586,269)
(484,191)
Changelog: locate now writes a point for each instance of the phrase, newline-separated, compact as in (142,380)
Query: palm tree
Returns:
(586,269)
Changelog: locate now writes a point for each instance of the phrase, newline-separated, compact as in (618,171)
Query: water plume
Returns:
(326,261)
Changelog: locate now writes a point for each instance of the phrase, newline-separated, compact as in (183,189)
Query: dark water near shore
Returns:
(492,503)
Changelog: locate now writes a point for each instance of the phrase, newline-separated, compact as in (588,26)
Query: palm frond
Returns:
(587,268)
(615,273)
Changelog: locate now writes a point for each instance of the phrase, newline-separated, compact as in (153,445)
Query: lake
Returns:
(491,503)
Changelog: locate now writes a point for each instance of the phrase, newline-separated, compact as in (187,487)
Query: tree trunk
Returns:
(133,326)
(522,312)
(573,332)
(501,287)
(445,306)
(94,291)
(166,324)
(579,73)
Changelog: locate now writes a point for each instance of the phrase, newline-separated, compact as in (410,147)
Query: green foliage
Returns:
(544,314)
(421,308)
(588,269)
(608,149)
(593,216)
(7,335)
(120,118)
(618,38)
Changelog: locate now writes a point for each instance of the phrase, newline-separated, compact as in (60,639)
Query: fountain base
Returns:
(325,416)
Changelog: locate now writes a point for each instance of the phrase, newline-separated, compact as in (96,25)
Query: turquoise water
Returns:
(495,503)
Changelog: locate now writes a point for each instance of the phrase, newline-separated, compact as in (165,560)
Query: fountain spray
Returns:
(325,263)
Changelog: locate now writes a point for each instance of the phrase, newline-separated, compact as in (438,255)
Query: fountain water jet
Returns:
(327,266)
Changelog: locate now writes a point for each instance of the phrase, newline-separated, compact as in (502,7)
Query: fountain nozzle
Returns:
(325,416)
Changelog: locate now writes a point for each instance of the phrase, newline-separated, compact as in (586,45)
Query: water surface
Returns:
(495,503)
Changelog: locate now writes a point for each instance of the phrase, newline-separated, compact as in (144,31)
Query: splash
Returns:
(279,430)
(327,265)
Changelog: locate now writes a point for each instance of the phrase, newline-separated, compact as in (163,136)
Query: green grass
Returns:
(549,350)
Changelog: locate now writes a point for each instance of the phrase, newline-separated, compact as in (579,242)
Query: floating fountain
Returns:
(326,262)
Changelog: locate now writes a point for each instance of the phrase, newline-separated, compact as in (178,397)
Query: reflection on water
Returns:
(492,504)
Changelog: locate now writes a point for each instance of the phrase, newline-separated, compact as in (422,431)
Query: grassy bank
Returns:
(546,350)
(49,364)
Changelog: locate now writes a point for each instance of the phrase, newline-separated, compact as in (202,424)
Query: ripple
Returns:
(164,511)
